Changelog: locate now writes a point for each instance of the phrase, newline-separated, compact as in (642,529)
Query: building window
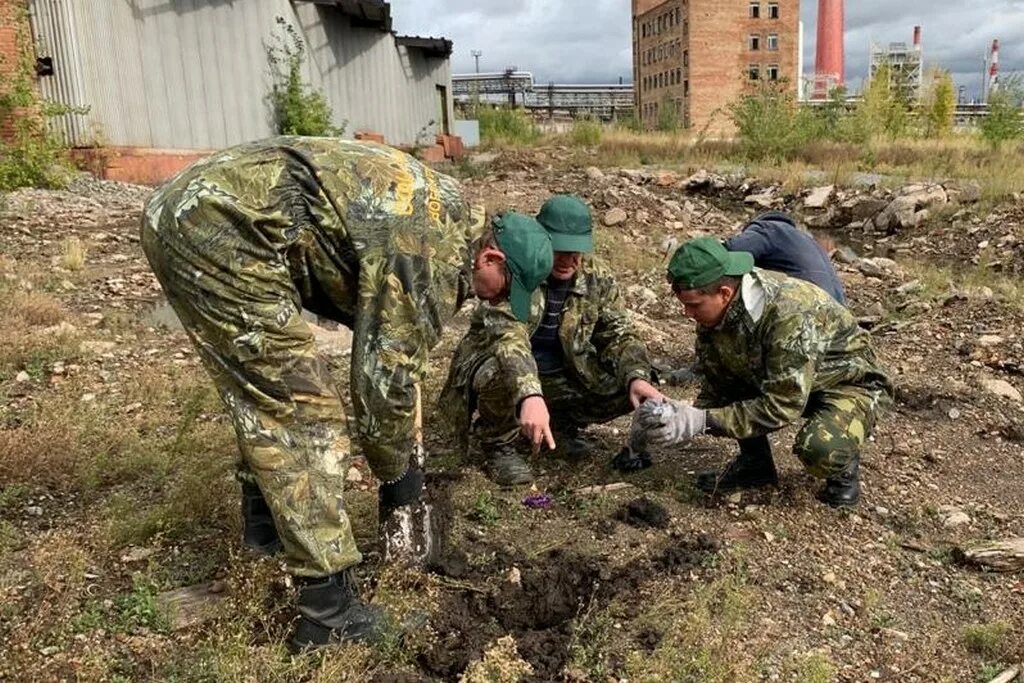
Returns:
(773,72)
(773,10)
(686,58)
(686,87)
(754,72)
(677,16)
(755,10)
(773,41)
(753,42)
(686,27)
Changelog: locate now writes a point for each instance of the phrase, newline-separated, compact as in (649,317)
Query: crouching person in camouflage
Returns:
(359,233)
(771,349)
(577,361)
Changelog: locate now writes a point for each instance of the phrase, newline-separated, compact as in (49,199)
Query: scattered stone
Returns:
(34,511)
(953,517)
(893,634)
(615,217)
(911,287)
(828,620)
(1002,389)
(96,347)
(515,577)
(88,398)
(989,340)
(22,377)
(354,476)
(49,650)
(954,414)
(193,605)
(764,200)
(594,173)
(137,554)
(818,198)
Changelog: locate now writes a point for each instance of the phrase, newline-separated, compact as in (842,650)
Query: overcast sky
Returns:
(588,41)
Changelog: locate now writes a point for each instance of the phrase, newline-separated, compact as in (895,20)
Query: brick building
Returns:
(696,56)
(13,21)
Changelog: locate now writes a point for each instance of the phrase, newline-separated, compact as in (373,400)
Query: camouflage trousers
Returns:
(285,406)
(839,421)
(570,404)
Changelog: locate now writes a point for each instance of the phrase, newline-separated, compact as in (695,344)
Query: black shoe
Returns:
(506,466)
(843,490)
(753,467)
(330,611)
(259,532)
(626,461)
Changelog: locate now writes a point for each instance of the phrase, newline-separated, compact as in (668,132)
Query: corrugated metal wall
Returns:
(193,74)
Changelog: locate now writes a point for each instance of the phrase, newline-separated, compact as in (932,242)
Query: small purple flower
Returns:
(537,501)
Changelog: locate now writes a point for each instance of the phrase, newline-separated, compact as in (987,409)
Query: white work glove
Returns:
(668,422)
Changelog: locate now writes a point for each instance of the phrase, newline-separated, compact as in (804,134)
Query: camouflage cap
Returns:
(704,260)
(528,257)
(568,222)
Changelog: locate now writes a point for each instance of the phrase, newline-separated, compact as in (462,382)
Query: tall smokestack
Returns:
(917,37)
(828,59)
(993,69)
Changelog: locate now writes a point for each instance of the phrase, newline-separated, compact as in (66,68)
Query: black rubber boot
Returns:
(330,611)
(843,490)
(506,466)
(259,532)
(753,467)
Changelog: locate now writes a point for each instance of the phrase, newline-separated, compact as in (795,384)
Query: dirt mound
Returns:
(539,603)
(643,513)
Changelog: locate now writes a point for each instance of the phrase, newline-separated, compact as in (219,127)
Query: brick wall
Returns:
(714,56)
(10,12)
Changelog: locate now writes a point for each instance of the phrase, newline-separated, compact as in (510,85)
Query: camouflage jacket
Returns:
(781,340)
(602,350)
(364,233)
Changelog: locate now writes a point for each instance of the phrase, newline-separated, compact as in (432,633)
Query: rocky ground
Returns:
(116,494)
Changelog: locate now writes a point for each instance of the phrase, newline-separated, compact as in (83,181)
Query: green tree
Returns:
(1004,122)
(938,109)
(769,123)
(298,107)
(884,109)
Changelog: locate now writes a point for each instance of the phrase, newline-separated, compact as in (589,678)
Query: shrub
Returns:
(1004,122)
(298,107)
(938,108)
(586,132)
(35,155)
(506,126)
(769,123)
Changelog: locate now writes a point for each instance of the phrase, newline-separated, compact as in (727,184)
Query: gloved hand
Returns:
(668,422)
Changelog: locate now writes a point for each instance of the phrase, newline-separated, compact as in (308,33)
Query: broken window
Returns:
(686,87)
(754,72)
(755,10)
(773,10)
(686,58)
(773,72)
(754,42)
(773,41)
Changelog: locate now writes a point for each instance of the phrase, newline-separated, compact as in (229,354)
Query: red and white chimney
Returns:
(993,67)
(917,38)
(829,64)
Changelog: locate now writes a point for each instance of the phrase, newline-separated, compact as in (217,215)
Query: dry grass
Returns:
(73,253)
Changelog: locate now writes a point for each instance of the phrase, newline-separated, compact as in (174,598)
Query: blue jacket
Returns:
(777,244)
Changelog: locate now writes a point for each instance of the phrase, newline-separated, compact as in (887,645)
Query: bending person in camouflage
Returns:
(771,349)
(359,233)
(577,362)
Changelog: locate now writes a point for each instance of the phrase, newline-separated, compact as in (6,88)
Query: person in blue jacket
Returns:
(776,243)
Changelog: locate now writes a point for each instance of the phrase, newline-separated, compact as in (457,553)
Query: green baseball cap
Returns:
(568,222)
(528,257)
(704,260)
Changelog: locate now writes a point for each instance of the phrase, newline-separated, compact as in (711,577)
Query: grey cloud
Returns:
(589,40)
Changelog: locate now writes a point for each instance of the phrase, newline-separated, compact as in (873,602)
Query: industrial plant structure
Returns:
(904,63)
(691,58)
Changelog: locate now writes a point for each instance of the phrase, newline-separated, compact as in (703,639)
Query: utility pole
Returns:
(476,55)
